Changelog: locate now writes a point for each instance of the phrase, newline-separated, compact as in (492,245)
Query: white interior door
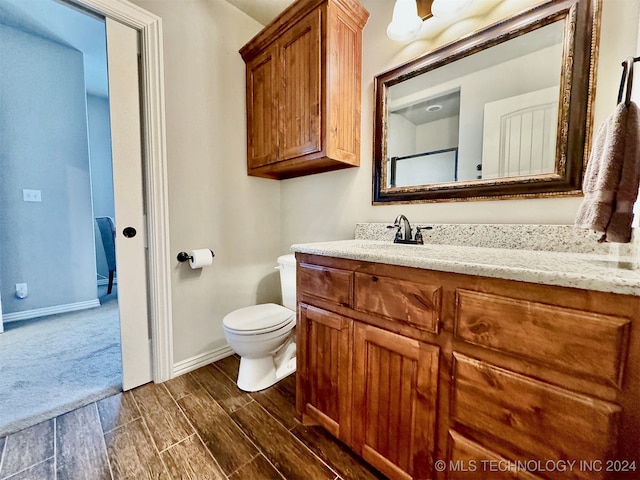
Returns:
(520,134)
(131,253)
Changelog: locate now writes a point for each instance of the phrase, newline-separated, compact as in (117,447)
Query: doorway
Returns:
(149,32)
(57,179)
(159,279)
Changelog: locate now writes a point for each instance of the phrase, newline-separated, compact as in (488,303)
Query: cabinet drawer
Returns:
(414,303)
(327,283)
(542,421)
(575,341)
(471,461)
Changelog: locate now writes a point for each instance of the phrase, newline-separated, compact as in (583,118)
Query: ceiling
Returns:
(67,26)
(263,11)
(53,20)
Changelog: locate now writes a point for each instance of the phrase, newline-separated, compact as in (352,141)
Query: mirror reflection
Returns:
(489,115)
(504,112)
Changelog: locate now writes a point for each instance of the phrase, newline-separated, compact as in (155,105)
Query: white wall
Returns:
(100,156)
(326,206)
(250,221)
(212,202)
(101,171)
(49,244)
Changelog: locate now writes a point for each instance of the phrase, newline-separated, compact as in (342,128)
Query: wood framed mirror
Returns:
(504,112)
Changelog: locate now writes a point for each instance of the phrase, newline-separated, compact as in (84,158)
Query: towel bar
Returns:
(627,74)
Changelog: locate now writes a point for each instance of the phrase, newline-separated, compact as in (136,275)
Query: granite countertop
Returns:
(578,270)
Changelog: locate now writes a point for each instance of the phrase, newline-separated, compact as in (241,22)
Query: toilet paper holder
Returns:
(185,257)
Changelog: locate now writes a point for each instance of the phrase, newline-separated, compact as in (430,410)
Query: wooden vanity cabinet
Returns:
(410,366)
(366,385)
(303,90)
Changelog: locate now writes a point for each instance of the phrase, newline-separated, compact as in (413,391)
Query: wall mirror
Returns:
(504,112)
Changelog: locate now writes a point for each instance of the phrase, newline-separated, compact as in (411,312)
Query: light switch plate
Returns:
(31,195)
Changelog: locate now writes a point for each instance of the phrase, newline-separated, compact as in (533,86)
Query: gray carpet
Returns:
(51,365)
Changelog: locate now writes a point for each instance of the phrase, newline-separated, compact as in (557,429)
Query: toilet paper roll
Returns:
(203,257)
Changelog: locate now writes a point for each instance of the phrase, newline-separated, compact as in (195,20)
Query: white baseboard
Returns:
(201,360)
(105,281)
(41,312)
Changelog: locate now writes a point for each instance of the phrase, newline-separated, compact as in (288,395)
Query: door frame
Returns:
(149,27)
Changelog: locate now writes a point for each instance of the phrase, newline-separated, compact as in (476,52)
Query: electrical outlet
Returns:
(21,290)
(31,195)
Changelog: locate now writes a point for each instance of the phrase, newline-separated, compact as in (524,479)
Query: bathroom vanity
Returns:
(478,357)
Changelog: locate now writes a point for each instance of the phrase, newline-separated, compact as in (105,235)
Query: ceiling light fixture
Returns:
(405,23)
(434,108)
(448,8)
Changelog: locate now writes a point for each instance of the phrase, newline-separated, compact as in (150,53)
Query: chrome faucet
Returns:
(404,231)
(404,228)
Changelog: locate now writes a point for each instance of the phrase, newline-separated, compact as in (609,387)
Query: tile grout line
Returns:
(122,424)
(4,449)
(222,371)
(162,385)
(26,469)
(294,437)
(245,463)
(195,430)
(278,422)
(257,447)
(55,448)
(148,432)
(104,441)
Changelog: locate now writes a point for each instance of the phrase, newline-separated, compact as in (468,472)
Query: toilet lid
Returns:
(258,318)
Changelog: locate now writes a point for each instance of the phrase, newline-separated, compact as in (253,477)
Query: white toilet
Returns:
(264,335)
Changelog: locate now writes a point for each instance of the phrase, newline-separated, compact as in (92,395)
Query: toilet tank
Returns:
(287,267)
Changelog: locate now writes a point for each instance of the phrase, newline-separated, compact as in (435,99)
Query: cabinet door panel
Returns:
(300,109)
(543,421)
(326,365)
(395,387)
(344,45)
(262,110)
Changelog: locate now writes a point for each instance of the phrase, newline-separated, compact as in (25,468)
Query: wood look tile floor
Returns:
(198,426)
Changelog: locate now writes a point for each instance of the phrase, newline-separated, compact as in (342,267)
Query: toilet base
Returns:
(259,373)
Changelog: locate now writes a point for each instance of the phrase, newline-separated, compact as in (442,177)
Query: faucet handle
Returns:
(398,233)
(418,236)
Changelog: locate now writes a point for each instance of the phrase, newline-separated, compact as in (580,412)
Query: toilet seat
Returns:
(258,319)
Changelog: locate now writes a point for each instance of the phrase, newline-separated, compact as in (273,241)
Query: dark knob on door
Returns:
(129,232)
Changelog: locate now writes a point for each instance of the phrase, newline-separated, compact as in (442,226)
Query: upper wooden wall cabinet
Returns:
(304,89)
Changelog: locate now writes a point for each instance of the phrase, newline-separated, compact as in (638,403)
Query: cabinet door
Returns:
(394,387)
(324,366)
(262,110)
(300,83)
